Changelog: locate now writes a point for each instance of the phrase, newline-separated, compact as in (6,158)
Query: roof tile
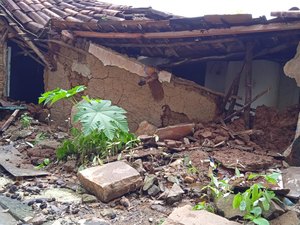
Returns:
(22,17)
(25,8)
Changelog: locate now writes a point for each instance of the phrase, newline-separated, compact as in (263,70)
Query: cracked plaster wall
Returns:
(121,87)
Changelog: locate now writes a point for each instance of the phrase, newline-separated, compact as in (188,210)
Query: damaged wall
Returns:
(284,91)
(3,58)
(186,100)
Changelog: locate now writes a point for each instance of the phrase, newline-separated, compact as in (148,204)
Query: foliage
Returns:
(256,199)
(59,94)
(25,120)
(46,162)
(204,206)
(104,127)
(270,178)
(95,114)
(218,187)
(95,144)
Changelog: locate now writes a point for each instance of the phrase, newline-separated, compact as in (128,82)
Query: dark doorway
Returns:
(194,72)
(26,81)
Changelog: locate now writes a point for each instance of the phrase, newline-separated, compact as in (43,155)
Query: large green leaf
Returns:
(58,94)
(100,115)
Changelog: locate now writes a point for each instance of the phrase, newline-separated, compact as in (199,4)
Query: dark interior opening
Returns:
(26,76)
(194,72)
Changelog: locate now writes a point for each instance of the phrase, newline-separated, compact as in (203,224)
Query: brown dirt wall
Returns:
(121,87)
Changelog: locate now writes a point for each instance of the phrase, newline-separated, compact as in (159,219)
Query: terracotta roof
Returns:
(35,14)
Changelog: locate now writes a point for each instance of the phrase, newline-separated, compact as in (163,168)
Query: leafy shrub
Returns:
(104,128)
(95,144)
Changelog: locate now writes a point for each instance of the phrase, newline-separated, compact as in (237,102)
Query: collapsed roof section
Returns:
(164,39)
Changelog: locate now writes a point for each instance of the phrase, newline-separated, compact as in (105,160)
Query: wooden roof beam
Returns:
(236,30)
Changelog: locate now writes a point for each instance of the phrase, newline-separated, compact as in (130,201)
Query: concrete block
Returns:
(111,180)
(186,216)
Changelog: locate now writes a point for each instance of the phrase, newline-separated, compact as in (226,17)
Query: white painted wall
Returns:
(284,92)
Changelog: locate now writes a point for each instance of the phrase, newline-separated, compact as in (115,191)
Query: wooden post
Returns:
(248,82)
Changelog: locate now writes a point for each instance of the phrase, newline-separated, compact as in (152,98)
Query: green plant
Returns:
(95,144)
(270,178)
(204,206)
(39,137)
(96,114)
(254,201)
(59,94)
(104,128)
(218,188)
(25,120)
(45,163)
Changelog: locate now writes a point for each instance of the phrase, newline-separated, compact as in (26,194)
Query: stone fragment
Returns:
(186,216)
(189,180)
(149,181)
(41,153)
(176,132)
(93,221)
(249,161)
(48,144)
(153,190)
(289,218)
(206,134)
(145,128)
(109,213)
(86,198)
(224,206)
(20,134)
(61,195)
(38,219)
(111,180)
(274,211)
(175,194)
(70,166)
(291,180)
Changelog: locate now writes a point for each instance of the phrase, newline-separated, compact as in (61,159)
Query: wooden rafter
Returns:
(237,30)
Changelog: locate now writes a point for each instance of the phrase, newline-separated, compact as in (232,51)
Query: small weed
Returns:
(25,120)
(256,199)
(204,206)
(95,145)
(42,165)
(39,137)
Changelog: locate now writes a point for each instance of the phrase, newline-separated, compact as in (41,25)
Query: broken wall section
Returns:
(3,59)
(186,100)
(266,74)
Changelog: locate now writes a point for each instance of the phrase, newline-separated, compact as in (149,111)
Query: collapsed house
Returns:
(159,67)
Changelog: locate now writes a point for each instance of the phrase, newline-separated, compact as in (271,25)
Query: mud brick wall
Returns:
(186,100)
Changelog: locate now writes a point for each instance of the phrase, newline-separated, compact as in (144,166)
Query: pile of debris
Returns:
(143,185)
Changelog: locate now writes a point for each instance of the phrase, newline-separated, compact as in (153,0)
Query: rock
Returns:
(174,195)
(93,221)
(125,202)
(138,165)
(153,190)
(111,180)
(86,198)
(159,208)
(38,219)
(149,181)
(189,180)
(4,181)
(274,211)
(250,161)
(224,206)
(291,181)
(108,213)
(206,134)
(41,153)
(61,135)
(145,128)
(70,166)
(20,134)
(186,216)
(176,132)
(60,195)
(48,144)
(289,218)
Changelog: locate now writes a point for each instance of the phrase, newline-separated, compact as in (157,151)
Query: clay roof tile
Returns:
(25,8)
